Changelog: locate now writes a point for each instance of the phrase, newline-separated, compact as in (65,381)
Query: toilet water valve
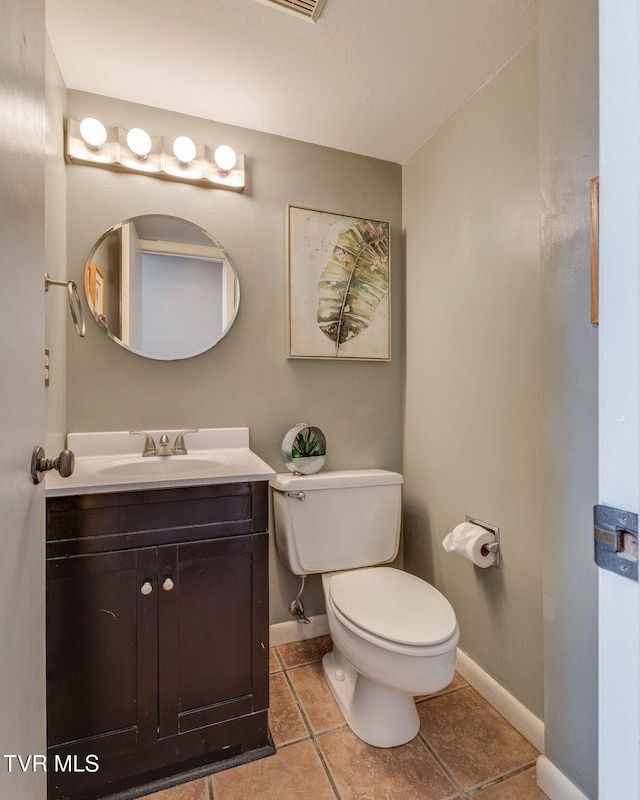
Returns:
(296,608)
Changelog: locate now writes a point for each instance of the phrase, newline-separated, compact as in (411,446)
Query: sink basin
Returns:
(110,461)
(160,467)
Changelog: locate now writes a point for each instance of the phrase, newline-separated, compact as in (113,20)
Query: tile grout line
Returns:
(441,764)
(303,716)
(296,700)
(475,790)
(279,660)
(449,775)
(325,766)
(312,736)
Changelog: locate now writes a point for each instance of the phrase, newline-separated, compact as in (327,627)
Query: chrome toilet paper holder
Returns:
(493,547)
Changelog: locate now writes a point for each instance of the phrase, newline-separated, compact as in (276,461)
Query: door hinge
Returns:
(615,534)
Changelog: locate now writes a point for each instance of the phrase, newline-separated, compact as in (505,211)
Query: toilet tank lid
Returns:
(338,479)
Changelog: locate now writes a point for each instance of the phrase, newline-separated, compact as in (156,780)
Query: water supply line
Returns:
(297,608)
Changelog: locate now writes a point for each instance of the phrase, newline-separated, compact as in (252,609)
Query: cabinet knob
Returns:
(168,585)
(146,588)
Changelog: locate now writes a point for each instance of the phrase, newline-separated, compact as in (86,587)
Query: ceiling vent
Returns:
(308,9)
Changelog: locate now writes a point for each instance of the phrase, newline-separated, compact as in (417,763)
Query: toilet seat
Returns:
(394,609)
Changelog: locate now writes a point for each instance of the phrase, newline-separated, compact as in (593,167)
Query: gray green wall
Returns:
(568,160)
(473,398)
(501,386)
(246,379)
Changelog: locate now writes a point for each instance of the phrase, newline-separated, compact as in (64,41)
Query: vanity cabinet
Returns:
(157,635)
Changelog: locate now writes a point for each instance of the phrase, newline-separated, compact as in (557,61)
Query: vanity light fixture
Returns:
(139,142)
(93,132)
(225,158)
(180,159)
(184,150)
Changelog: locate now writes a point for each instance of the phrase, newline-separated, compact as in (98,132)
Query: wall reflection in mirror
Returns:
(161,287)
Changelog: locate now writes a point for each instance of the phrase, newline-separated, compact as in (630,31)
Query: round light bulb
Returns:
(139,142)
(184,150)
(225,158)
(93,132)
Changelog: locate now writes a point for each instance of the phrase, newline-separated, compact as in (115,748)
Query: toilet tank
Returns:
(337,520)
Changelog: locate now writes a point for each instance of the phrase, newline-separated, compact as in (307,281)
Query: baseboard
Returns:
(294,631)
(523,720)
(555,784)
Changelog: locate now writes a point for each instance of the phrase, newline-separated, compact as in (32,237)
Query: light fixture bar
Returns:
(160,161)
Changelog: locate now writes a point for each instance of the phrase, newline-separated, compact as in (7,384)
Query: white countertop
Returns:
(112,462)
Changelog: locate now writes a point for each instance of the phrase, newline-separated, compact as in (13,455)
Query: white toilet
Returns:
(394,635)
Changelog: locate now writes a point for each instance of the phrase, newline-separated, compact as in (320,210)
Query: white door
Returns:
(22,610)
(619,337)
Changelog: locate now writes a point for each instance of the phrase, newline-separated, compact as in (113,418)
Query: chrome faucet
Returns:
(178,446)
(163,449)
(149,448)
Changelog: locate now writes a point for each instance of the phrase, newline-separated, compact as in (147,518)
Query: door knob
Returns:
(146,588)
(40,464)
(168,584)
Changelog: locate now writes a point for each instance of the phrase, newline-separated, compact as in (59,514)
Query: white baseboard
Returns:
(555,784)
(523,720)
(294,631)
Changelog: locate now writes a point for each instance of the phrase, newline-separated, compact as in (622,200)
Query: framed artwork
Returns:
(594,198)
(338,286)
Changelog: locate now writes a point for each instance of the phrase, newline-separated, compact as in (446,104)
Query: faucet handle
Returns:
(149,448)
(178,446)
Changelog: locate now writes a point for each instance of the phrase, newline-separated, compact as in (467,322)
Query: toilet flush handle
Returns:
(298,495)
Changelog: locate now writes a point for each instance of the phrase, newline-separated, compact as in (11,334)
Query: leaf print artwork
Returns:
(354,282)
(338,286)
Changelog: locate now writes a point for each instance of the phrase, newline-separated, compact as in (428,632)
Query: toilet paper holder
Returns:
(493,547)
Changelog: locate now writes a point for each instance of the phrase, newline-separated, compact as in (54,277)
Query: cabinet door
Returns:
(213,626)
(101,650)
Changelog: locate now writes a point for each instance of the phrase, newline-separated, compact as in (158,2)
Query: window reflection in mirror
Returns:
(161,287)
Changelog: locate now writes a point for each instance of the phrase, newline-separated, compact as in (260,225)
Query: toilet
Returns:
(394,635)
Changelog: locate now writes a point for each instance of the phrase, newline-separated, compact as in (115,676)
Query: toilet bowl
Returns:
(394,637)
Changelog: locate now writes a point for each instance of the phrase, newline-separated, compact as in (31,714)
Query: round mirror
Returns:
(161,287)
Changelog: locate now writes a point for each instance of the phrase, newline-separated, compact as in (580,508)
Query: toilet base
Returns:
(377,715)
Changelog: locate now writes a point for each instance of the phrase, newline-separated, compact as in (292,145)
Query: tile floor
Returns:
(464,748)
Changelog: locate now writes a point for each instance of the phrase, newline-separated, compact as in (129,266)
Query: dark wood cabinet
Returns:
(157,635)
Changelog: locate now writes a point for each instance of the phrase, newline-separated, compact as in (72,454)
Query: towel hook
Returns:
(74,301)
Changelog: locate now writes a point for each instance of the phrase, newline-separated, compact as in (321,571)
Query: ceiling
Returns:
(375,77)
